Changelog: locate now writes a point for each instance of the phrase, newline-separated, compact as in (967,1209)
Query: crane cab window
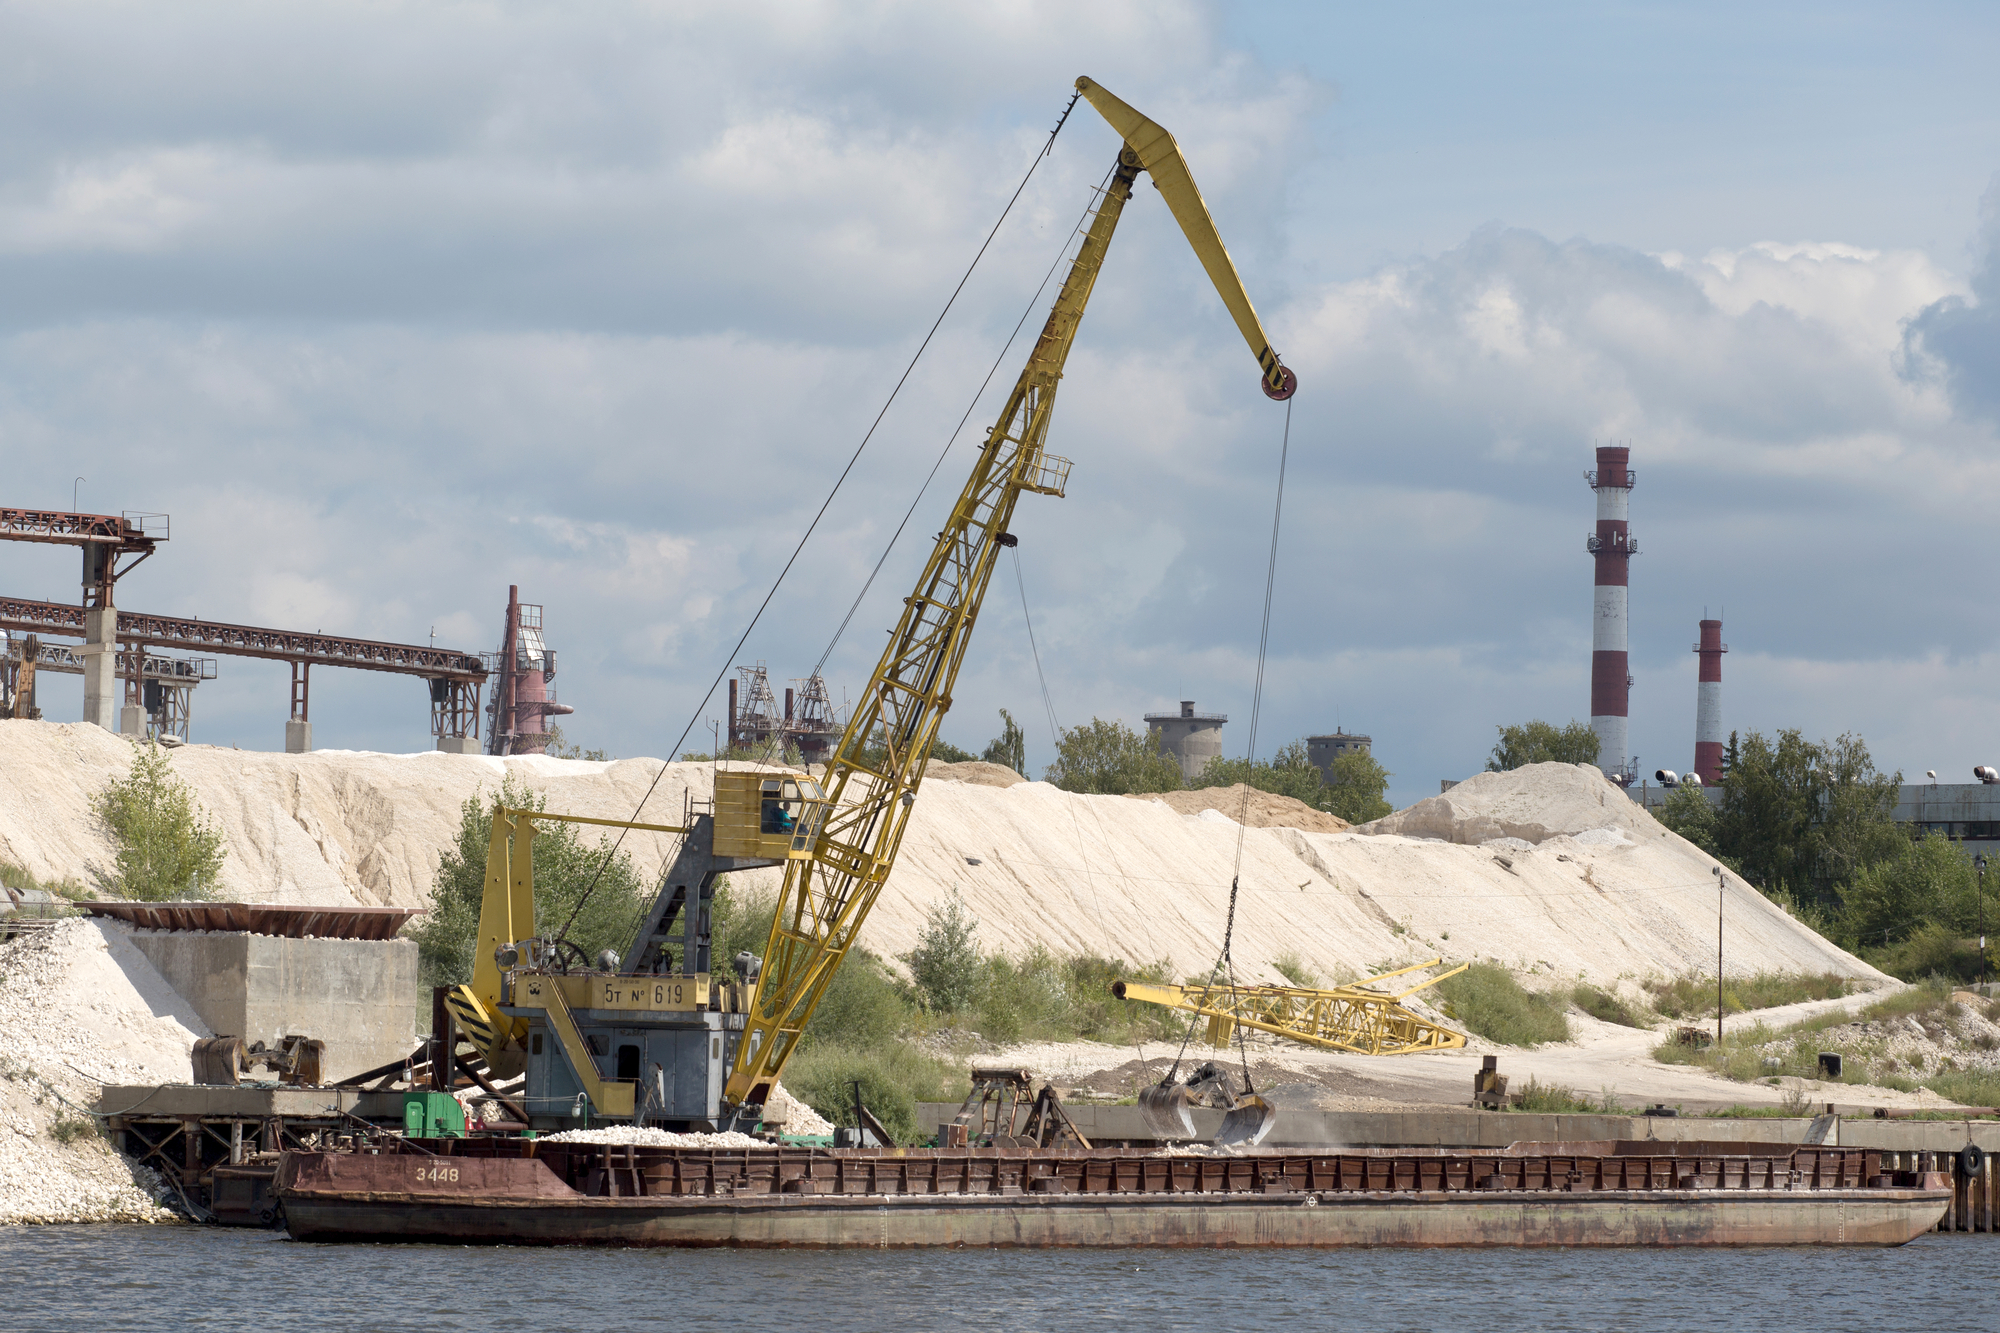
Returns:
(779,815)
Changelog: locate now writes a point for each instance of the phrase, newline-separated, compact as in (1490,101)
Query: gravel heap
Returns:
(1916,1046)
(79,1008)
(645,1137)
(1267,809)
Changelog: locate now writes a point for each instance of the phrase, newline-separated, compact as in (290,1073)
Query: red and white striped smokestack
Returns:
(1613,547)
(1708,704)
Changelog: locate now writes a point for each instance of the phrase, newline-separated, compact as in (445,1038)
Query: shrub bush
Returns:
(1488,1000)
(166,850)
(894,1077)
(945,965)
(564,867)
(1293,969)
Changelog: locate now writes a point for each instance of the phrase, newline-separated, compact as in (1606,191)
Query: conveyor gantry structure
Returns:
(455,678)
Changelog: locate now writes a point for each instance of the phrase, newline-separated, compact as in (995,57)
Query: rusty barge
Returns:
(1579,1194)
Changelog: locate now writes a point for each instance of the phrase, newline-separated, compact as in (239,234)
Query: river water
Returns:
(80,1279)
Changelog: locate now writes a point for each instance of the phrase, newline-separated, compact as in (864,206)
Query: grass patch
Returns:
(1045,997)
(1608,1008)
(1486,998)
(1693,995)
(1924,999)
(1293,969)
(20,880)
(67,1128)
(893,1078)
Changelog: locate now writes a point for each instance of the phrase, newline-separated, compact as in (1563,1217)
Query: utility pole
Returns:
(1718,961)
(1979,864)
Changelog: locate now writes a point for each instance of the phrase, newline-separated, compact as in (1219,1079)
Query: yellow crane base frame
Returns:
(1346,1018)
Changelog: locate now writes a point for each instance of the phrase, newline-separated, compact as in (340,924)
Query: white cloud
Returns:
(601,308)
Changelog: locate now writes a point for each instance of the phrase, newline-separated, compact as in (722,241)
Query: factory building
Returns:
(1191,738)
(1611,548)
(1323,750)
(1965,812)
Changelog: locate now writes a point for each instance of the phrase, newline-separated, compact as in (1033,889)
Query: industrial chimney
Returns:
(1612,546)
(1708,704)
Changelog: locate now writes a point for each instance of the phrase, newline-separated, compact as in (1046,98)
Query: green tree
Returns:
(1928,884)
(165,848)
(1355,791)
(564,867)
(1111,759)
(1689,812)
(1354,794)
(1010,747)
(1801,818)
(945,752)
(1540,742)
(945,966)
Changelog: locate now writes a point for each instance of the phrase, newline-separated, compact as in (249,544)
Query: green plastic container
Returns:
(433,1115)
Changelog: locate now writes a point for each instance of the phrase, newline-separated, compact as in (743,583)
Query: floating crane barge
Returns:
(663,1041)
(1530,1194)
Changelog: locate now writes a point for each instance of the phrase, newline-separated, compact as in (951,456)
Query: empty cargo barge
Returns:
(1608,1193)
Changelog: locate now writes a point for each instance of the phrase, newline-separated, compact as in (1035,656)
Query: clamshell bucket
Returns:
(1167,1110)
(1248,1121)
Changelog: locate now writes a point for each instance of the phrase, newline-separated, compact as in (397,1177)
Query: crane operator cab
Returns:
(772,816)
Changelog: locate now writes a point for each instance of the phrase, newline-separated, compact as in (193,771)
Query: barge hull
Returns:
(1499,1218)
(335,1196)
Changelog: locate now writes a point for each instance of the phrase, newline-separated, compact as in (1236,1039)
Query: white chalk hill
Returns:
(1548,869)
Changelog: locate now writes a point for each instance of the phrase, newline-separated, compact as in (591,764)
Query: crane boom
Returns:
(1161,158)
(872,777)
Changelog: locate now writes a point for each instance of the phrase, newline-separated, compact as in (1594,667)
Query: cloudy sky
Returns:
(392,305)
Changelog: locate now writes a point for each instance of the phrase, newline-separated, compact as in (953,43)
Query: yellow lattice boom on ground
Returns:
(1347,1018)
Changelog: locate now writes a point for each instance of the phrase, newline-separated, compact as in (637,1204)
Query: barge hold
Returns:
(1550,1194)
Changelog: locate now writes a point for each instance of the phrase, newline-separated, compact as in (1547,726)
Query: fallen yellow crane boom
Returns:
(1346,1018)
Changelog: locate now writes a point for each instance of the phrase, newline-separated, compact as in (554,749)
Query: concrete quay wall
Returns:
(357,996)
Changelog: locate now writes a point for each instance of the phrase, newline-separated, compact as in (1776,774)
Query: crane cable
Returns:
(825,504)
(973,406)
(1225,960)
(945,453)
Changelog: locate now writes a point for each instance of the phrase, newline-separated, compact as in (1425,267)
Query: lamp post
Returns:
(1979,864)
(1718,961)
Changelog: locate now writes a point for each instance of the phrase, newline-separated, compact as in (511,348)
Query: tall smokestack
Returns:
(1708,704)
(1613,547)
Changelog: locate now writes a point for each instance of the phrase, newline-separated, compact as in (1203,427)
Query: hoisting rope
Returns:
(1034,301)
(776,583)
(1226,961)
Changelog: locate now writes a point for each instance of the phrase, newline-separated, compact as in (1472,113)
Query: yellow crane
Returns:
(650,1036)
(872,779)
(1356,1018)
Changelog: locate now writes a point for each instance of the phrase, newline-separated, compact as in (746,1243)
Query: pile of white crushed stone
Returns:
(641,1136)
(80,1008)
(1549,870)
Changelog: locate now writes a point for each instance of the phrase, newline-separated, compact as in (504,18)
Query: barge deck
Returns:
(1594,1194)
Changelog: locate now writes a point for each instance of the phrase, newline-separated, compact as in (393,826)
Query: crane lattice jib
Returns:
(1344,1018)
(873,775)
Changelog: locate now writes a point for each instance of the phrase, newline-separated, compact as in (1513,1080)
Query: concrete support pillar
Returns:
(458,744)
(131,720)
(298,737)
(100,666)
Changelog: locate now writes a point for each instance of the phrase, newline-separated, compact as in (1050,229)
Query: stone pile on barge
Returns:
(1610,1193)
